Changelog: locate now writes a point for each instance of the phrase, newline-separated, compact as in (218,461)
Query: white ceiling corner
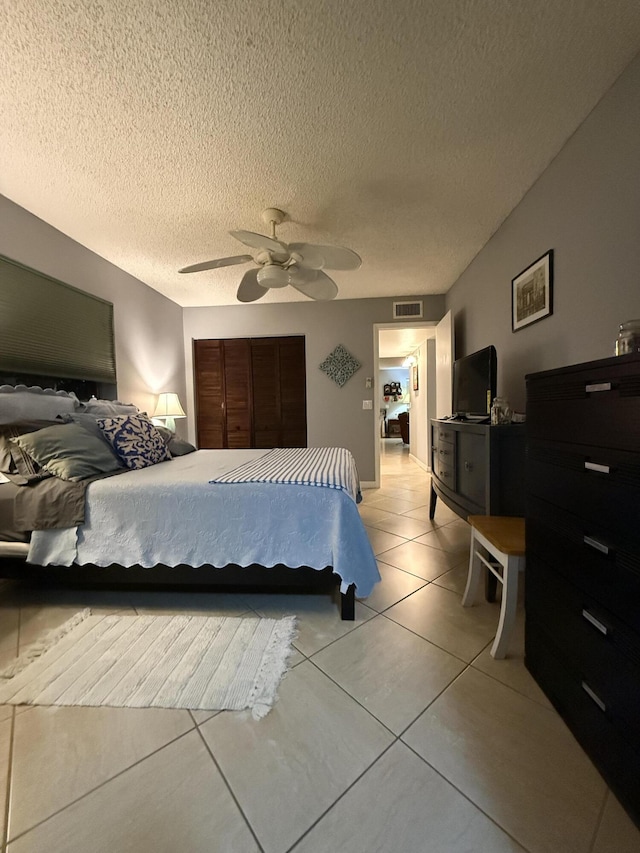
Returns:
(406,131)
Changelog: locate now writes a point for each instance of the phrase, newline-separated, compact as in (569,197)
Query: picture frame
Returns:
(414,371)
(532,293)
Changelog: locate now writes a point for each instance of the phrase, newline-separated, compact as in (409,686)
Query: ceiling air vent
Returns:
(406,310)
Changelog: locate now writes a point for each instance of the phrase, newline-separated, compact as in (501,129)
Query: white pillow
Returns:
(34,403)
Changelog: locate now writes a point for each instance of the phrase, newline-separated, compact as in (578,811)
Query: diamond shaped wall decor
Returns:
(340,365)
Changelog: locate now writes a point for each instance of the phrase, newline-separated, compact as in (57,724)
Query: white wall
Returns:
(334,415)
(419,414)
(586,206)
(148,326)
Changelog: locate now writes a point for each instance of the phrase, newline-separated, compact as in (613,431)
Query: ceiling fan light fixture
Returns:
(273,275)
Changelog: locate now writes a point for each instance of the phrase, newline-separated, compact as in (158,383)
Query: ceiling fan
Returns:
(300,265)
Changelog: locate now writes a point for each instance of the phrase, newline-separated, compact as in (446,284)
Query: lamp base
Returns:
(167,422)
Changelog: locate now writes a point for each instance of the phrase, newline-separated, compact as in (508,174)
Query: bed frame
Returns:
(231,578)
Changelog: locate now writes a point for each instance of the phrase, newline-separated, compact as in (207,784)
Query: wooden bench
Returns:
(497,542)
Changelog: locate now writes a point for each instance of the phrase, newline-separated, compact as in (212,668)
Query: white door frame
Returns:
(377,327)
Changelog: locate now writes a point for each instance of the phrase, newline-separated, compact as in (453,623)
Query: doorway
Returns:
(427,351)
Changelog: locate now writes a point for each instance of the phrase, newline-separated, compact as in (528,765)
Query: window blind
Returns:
(49,327)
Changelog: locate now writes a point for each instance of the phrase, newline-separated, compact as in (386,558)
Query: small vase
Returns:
(628,337)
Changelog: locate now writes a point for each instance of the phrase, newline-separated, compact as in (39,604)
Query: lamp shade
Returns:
(169,406)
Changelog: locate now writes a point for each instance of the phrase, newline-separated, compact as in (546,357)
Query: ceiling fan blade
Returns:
(326,257)
(249,289)
(260,241)
(220,262)
(315,284)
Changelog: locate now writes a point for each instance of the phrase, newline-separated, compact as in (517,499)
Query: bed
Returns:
(227,518)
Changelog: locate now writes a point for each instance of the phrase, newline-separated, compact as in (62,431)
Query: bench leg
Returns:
(508,606)
(474,576)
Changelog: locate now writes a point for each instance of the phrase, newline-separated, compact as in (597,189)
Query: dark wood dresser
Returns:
(582,579)
(477,469)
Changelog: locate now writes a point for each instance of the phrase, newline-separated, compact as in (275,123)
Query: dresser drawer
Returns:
(445,453)
(610,750)
(444,435)
(602,650)
(445,472)
(603,483)
(612,579)
(595,404)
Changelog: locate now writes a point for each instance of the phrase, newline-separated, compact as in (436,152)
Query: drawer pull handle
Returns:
(595,622)
(595,543)
(593,696)
(593,466)
(597,386)
(444,452)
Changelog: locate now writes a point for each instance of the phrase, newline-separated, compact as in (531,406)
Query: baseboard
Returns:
(369,484)
(420,463)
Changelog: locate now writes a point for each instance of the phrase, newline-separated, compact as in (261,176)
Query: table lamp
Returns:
(168,409)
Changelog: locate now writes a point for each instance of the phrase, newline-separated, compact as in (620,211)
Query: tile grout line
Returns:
(230,789)
(7,797)
(442,649)
(101,785)
(467,797)
(504,684)
(598,825)
(353,698)
(340,797)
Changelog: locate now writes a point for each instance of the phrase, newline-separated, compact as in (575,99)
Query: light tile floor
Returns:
(395,733)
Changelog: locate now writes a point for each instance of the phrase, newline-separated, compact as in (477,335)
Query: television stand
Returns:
(476,468)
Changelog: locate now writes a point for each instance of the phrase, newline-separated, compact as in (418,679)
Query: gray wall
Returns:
(586,206)
(334,415)
(148,326)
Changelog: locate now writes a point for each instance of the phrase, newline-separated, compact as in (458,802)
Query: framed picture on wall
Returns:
(414,372)
(532,293)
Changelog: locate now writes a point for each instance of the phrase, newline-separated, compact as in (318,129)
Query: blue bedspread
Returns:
(172,513)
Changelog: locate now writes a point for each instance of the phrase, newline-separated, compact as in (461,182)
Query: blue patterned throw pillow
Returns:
(135,439)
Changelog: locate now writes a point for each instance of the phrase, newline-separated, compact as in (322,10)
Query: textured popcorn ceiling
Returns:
(404,129)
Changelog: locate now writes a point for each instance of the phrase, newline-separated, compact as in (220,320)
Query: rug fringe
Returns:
(274,664)
(46,642)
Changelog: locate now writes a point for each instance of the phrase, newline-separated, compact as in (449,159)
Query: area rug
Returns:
(193,662)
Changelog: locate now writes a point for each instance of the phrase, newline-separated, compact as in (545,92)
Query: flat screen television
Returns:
(474,384)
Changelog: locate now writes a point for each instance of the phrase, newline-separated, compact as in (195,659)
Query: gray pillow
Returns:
(13,460)
(90,423)
(69,451)
(179,447)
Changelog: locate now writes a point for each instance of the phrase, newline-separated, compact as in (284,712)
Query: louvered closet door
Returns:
(279,392)
(209,382)
(266,393)
(251,392)
(237,383)
(293,397)
(223,393)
